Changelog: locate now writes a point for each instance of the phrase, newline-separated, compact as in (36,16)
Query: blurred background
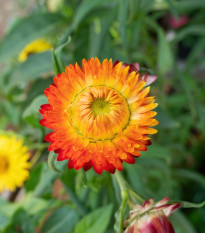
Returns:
(167,39)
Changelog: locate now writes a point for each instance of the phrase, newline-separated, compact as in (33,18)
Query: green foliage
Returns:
(62,220)
(31,113)
(27,30)
(96,221)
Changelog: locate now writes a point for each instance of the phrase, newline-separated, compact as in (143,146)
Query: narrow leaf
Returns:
(96,221)
(165,59)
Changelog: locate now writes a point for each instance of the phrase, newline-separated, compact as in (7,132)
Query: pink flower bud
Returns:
(178,23)
(149,79)
(151,217)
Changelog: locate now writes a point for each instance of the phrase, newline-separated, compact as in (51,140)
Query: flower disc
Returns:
(100,114)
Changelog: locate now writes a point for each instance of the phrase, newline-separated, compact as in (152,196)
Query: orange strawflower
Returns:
(100,114)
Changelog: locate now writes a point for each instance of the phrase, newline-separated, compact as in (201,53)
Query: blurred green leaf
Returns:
(69,181)
(166,122)
(53,164)
(58,65)
(31,113)
(181,223)
(31,205)
(85,8)
(7,209)
(195,30)
(46,179)
(96,221)
(173,8)
(34,178)
(98,32)
(20,222)
(165,58)
(122,20)
(63,220)
(11,112)
(35,66)
(190,4)
(120,214)
(186,204)
(3,221)
(28,29)
(192,175)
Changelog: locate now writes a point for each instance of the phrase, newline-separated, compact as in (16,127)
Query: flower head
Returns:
(151,217)
(178,23)
(100,114)
(14,163)
(36,46)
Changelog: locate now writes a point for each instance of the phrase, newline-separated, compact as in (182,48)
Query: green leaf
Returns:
(7,209)
(27,30)
(21,222)
(166,122)
(36,65)
(96,221)
(186,204)
(62,220)
(98,32)
(196,30)
(53,164)
(58,65)
(120,214)
(34,178)
(46,179)
(182,224)
(33,205)
(30,204)
(173,8)
(165,59)
(122,19)
(85,8)
(3,221)
(11,111)
(31,113)
(190,4)
(182,173)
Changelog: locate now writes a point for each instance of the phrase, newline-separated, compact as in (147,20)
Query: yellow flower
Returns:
(36,46)
(14,163)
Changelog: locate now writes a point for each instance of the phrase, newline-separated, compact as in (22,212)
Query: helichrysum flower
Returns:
(14,163)
(100,114)
(151,217)
(36,46)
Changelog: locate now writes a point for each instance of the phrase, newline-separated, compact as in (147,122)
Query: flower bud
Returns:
(149,79)
(151,217)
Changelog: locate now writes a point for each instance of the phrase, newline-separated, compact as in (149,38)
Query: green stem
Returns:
(35,158)
(125,188)
(121,182)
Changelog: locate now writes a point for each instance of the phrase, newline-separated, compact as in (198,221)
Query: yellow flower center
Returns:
(99,106)
(99,113)
(3,164)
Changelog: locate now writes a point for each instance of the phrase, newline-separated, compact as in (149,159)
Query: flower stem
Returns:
(121,182)
(125,188)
